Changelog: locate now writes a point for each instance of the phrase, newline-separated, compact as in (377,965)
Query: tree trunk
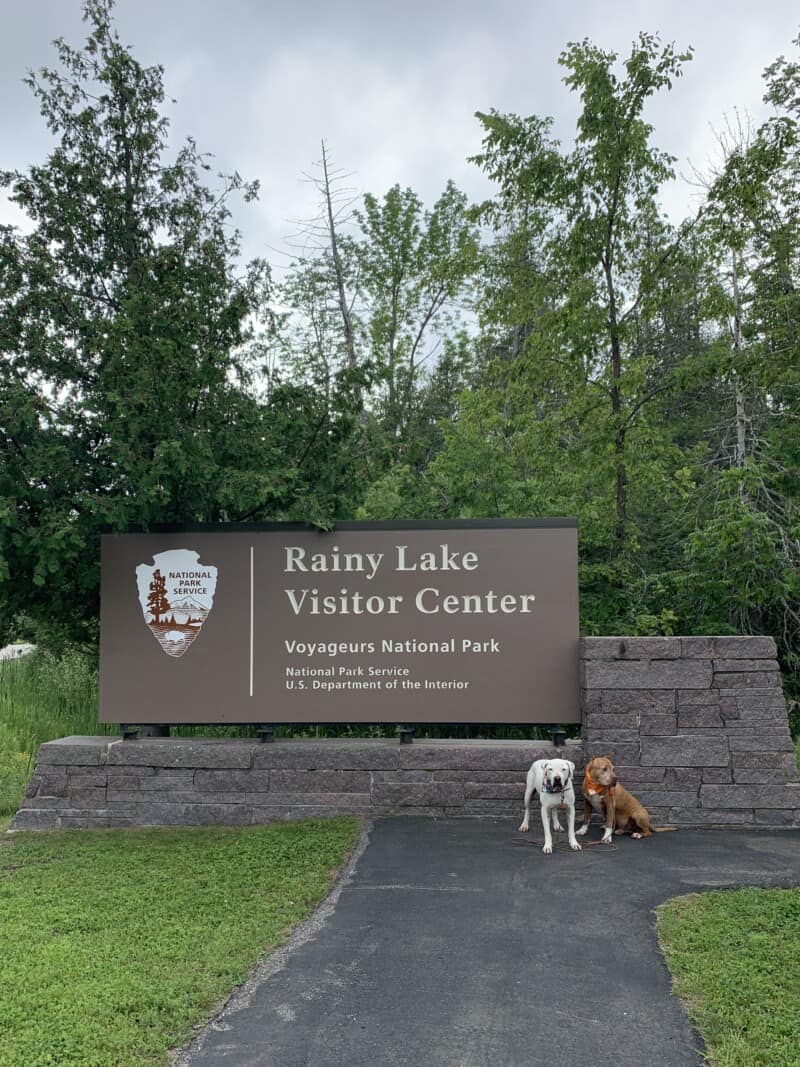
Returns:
(347,324)
(620,465)
(740,454)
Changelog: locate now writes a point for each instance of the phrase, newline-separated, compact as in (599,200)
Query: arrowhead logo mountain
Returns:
(176,594)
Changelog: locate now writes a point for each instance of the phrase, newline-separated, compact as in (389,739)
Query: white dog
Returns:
(552,780)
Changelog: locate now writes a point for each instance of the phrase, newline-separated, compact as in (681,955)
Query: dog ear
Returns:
(571,766)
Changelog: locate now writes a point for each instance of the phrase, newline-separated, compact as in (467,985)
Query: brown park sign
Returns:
(467,621)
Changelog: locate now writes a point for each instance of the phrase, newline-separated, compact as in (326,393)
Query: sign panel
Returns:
(439,622)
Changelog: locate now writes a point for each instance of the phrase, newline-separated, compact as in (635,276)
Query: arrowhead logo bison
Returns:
(176,595)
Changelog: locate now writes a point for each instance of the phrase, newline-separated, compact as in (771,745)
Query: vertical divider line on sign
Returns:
(251,620)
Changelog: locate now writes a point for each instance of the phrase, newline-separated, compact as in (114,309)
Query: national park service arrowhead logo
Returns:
(177,595)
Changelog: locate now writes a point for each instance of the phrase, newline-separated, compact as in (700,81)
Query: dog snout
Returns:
(557,784)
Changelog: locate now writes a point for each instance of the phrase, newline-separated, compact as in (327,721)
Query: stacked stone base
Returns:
(696,726)
(94,782)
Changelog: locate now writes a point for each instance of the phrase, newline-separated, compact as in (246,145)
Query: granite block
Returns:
(693,698)
(342,802)
(717,775)
(156,814)
(667,798)
(757,757)
(733,666)
(699,717)
(75,751)
(686,777)
(736,647)
(746,680)
(698,647)
(417,794)
(685,750)
(495,791)
(48,785)
(230,781)
(331,754)
(663,725)
(649,674)
(500,808)
(778,818)
(492,755)
(324,781)
(749,796)
(638,701)
(34,819)
(174,752)
(710,817)
(747,741)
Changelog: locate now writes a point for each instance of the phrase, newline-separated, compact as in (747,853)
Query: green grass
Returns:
(735,960)
(115,943)
(42,697)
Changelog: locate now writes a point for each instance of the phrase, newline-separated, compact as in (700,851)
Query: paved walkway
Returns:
(455,943)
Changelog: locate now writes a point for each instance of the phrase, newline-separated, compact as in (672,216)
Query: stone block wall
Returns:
(95,782)
(696,726)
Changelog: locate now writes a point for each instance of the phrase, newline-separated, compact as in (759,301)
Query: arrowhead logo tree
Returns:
(176,595)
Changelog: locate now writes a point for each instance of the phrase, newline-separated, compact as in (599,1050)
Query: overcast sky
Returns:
(392,87)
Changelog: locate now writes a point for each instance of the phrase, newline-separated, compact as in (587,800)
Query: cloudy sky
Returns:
(392,87)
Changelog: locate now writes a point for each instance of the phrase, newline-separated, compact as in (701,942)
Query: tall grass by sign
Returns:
(42,696)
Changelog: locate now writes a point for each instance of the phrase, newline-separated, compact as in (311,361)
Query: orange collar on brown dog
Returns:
(591,786)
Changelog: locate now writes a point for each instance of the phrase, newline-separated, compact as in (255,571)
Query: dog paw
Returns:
(606,838)
(575,846)
(636,836)
(547,849)
(583,829)
(525,827)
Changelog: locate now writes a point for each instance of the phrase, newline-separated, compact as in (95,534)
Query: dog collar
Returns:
(591,786)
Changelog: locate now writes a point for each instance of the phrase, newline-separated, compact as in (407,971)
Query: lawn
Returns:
(735,961)
(113,944)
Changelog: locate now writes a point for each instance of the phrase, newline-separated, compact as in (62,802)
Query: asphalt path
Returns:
(457,943)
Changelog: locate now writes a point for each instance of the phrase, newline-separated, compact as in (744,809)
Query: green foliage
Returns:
(558,349)
(131,343)
(118,943)
(735,960)
(743,557)
(42,696)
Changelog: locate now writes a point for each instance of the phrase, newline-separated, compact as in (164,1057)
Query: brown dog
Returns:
(603,793)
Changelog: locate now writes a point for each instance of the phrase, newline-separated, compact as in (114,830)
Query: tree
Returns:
(589,257)
(743,557)
(374,305)
(413,267)
(125,389)
(157,602)
(587,329)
